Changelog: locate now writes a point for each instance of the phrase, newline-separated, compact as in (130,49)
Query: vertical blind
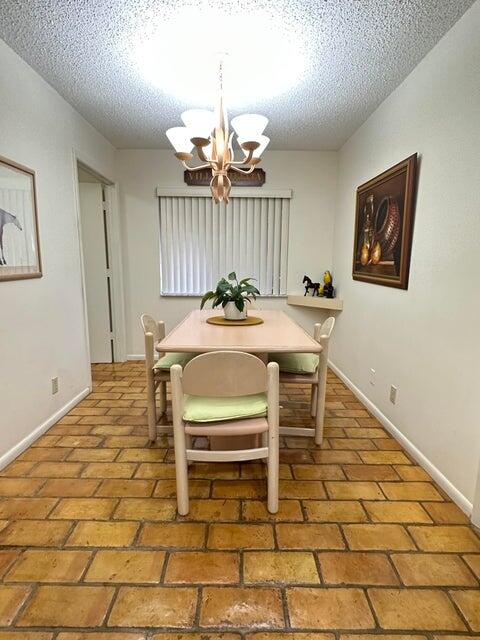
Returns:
(200,242)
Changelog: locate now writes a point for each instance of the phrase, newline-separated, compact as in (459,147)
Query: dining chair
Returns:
(225,393)
(308,368)
(158,373)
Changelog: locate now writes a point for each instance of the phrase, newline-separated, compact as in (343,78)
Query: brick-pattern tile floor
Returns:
(91,547)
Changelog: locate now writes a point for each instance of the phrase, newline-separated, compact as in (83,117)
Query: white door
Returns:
(97,274)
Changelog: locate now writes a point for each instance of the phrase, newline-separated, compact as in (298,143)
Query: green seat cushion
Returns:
(169,359)
(203,409)
(295,362)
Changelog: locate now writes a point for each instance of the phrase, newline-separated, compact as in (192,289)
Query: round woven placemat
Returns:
(221,320)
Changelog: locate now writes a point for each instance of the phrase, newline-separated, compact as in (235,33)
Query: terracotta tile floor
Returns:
(364,543)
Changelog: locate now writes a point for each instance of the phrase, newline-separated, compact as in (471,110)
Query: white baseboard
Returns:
(458,497)
(135,356)
(36,433)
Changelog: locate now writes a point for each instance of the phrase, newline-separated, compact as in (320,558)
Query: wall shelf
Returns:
(315,302)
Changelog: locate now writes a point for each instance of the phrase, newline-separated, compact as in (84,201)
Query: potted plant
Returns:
(233,295)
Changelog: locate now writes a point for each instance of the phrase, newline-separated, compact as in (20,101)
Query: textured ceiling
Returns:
(358,51)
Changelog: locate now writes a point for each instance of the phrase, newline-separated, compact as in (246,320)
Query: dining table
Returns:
(277,333)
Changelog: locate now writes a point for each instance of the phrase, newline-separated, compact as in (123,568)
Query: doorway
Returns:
(95,223)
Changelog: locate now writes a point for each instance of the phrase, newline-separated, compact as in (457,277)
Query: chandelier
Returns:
(208,132)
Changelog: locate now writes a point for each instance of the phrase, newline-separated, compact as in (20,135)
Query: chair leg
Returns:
(189,445)
(272,470)
(264,443)
(162,393)
(151,407)
(181,468)
(320,410)
(313,400)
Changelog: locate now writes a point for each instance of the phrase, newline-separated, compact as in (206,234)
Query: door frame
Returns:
(118,306)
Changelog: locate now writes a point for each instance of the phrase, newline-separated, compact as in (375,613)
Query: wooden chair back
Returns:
(224,374)
(154,332)
(150,325)
(323,332)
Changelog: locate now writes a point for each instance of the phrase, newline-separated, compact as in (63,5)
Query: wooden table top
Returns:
(278,333)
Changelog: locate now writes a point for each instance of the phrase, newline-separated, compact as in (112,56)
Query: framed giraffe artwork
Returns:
(19,242)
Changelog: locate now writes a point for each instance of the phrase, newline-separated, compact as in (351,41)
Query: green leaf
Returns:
(208,296)
(249,288)
(232,276)
(223,286)
(240,304)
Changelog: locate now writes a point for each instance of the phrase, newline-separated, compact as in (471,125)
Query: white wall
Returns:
(311,176)
(424,340)
(42,327)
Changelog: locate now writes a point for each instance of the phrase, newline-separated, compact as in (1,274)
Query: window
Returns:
(200,242)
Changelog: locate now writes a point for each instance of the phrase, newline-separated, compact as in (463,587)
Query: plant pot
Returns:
(232,313)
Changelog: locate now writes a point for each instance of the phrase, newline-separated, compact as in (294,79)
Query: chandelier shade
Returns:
(207,151)
(249,126)
(199,122)
(180,139)
(263,144)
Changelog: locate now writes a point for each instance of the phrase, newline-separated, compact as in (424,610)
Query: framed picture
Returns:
(19,244)
(384,226)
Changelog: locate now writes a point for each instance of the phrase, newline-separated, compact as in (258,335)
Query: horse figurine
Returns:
(6,218)
(311,285)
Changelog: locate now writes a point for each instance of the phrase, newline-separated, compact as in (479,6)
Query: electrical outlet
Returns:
(372,377)
(54,386)
(393,394)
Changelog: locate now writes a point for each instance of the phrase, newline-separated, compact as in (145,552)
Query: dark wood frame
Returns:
(31,173)
(409,165)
